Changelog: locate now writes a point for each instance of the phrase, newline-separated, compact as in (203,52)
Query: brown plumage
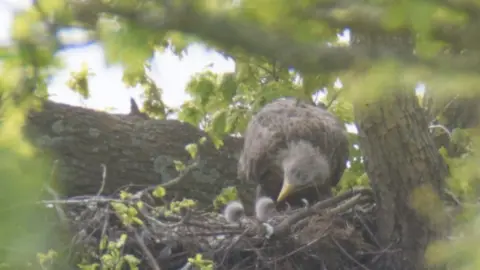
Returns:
(296,147)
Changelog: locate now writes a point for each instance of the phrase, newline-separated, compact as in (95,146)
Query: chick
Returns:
(265,208)
(234,212)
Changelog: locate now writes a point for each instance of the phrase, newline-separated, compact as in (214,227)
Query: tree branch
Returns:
(367,18)
(232,33)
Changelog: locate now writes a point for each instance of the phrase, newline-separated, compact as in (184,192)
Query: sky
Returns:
(107,90)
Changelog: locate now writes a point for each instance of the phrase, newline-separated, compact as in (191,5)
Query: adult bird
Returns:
(294,151)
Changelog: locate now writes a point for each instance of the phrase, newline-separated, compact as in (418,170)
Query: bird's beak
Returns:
(286,190)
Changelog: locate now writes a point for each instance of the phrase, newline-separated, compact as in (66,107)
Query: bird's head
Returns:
(303,166)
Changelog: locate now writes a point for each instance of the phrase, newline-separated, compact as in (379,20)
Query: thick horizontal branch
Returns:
(364,18)
(100,153)
(231,32)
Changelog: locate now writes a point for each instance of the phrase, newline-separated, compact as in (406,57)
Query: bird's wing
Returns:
(262,139)
(315,125)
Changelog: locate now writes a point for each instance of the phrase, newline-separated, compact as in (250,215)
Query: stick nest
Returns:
(333,234)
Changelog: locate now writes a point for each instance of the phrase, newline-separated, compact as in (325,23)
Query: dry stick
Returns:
(61,214)
(104,179)
(84,200)
(279,230)
(141,243)
(304,246)
(350,257)
(346,205)
(105,224)
(177,180)
(150,258)
(285,225)
(369,231)
(96,198)
(229,247)
(442,128)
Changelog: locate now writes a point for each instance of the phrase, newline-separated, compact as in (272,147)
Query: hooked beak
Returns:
(286,190)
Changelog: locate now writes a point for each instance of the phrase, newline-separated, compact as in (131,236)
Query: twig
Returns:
(347,205)
(362,221)
(61,214)
(207,233)
(105,226)
(442,128)
(177,180)
(84,201)
(306,245)
(334,98)
(453,197)
(153,263)
(285,225)
(104,179)
(350,257)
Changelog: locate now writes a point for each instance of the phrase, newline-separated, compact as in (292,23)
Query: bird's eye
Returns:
(300,175)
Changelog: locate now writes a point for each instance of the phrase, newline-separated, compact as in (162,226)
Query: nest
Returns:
(333,234)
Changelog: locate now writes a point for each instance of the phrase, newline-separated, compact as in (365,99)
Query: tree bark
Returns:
(135,151)
(401,158)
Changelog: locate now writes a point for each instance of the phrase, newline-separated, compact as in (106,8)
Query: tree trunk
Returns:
(136,153)
(401,158)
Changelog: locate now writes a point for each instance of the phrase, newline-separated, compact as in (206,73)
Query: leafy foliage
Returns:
(113,258)
(79,81)
(222,104)
(228,194)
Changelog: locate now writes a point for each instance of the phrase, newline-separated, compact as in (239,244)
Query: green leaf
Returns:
(192,149)
(79,81)
(179,42)
(343,110)
(217,142)
(219,123)
(131,260)
(122,240)
(228,87)
(126,43)
(137,221)
(159,192)
(202,140)
(204,90)
(51,7)
(396,15)
(119,207)
(179,166)
(125,195)
(420,15)
(190,113)
(103,243)
(133,75)
(232,120)
(226,195)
